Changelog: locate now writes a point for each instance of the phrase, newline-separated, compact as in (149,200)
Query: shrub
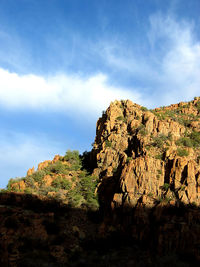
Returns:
(88,185)
(184,141)
(128,159)
(62,183)
(159,172)
(159,141)
(144,109)
(108,143)
(30,181)
(44,190)
(73,157)
(137,117)
(120,118)
(75,198)
(165,186)
(159,156)
(28,190)
(141,127)
(182,152)
(183,121)
(195,137)
(143,132)
(59,168)
(38,176)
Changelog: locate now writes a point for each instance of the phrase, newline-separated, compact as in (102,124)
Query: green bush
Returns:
(137,117)
(75,198)
(28,190)
(159,172)
(143,132)
(182,152)
(144,108)
(44,190)
(57,167)
(184,141)
(61,183)
(159,140)
(38,176)
(73,158)
(183,121)
(108,143)
(191,140)
(128,159)
(159,156)
(88,185)
(120,118)
(30,181)
(165,186)
(195,137)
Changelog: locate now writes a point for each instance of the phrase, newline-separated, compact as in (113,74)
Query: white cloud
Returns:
(60,92)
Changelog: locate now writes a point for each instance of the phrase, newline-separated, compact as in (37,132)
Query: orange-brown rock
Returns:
(20,186)
(43,164)
(30,171)
(56,158)
(47,180)
(139,149)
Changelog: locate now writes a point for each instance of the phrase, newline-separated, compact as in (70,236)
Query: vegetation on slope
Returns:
(65,180)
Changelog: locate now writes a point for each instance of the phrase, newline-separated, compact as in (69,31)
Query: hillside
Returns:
(141,181)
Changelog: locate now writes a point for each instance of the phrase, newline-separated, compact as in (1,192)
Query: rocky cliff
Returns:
(149,155)
(140,181)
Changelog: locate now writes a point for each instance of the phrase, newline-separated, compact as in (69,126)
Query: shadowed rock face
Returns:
(148,168)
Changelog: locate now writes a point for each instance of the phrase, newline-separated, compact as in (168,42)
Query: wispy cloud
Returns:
(61,92)
(168,64)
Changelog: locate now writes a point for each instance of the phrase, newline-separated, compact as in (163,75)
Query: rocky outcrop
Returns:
(149,154)
(148,166)
(30,171)
(43,164)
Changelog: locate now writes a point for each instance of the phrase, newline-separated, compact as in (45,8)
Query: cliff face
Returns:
(148,165)
(146,181)
(149,156)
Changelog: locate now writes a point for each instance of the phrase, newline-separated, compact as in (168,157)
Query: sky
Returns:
(63,61)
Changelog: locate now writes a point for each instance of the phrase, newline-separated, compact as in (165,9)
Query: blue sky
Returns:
(63,61)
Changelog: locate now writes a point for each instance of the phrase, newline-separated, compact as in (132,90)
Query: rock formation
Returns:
(149,155)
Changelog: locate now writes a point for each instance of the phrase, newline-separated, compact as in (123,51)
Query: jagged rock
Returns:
(43,164)
(30,171)
(56,158)
(139,149)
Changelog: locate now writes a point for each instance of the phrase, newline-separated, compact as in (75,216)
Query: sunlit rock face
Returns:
(149,155)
